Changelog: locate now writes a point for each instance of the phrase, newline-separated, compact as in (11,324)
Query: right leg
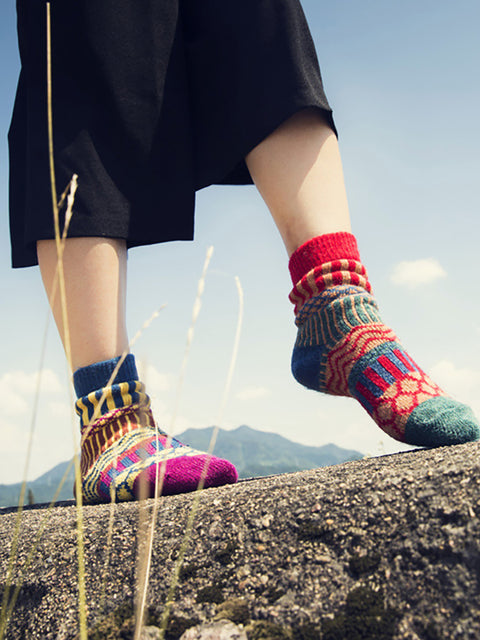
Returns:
(343,347)
(121,448)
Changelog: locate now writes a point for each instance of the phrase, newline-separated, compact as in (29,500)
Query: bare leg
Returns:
(298,172)
(95,279)
(342,346)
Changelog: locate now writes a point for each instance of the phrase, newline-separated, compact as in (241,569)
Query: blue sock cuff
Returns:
(96,376)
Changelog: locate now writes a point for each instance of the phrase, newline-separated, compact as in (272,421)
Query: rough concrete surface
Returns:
(380,548)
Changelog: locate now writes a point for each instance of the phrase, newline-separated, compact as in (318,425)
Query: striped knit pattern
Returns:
(358,341)
(330,274)
(99,402)
(123,448)
(390,386)
(343,348)
(100,435)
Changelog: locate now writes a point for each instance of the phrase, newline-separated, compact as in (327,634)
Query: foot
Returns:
(343,348)
(123,456)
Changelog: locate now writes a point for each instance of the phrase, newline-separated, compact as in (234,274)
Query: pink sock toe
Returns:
(183,474)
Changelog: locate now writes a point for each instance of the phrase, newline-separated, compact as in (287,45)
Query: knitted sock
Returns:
(343,348)
(122,450)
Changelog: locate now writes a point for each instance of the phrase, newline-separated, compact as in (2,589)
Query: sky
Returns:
(402,79)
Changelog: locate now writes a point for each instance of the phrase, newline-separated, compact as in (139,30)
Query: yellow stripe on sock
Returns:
(97,440)
(82,411)
(126,396)
(110,402)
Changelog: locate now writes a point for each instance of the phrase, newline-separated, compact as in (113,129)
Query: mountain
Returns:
(254,453)
(259,453)
(42,489)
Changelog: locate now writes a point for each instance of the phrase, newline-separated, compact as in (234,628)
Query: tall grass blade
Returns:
(69,195)
(61,277)
(196,501)
(145,563)
(195,313)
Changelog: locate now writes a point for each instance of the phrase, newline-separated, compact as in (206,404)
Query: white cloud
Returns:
(17,389)
(252,393)
(415,273)
(14,441)
(26,383)
(11,402)
(462,383)
(52,423)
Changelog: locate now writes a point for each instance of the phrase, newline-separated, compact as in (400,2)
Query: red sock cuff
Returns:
(317,251)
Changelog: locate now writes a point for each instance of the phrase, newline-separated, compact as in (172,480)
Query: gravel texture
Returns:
(379,548)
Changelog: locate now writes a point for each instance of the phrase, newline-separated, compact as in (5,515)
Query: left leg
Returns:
(122,453)
(298,172)
(343,347)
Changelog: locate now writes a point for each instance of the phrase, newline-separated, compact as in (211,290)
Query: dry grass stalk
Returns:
(61,280)
(196,501)
(145,562)
(7,603)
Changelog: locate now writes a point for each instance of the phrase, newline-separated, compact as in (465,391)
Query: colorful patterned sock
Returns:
(123,452)
(343,348)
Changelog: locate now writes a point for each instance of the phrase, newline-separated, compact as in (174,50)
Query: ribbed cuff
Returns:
(96,376)
(325,248)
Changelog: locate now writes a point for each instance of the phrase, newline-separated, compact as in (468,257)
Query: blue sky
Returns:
(402,79)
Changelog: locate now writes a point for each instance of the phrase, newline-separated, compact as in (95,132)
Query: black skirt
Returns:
(152,101)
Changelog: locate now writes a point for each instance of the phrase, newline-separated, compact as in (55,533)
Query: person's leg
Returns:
(95,281)
(120,449)
(298,172)
(342,346)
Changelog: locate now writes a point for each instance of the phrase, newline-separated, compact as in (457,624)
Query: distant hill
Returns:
(254,453)
(42,489)
(259,453)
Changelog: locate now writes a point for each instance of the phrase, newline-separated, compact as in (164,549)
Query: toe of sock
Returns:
(441,421)
(220,472)
(183,474)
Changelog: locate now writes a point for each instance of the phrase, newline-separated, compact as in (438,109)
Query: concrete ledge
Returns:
(381,548)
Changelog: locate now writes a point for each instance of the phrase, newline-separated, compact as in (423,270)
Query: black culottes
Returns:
(152,101)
